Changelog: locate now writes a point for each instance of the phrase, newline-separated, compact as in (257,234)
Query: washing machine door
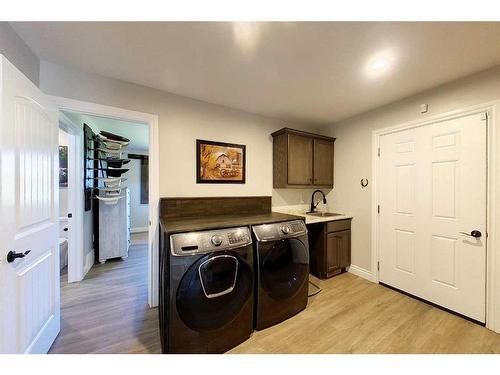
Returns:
(284,268)
(214,290)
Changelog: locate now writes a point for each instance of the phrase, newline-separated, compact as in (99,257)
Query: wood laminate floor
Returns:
(353,315)
(108,313)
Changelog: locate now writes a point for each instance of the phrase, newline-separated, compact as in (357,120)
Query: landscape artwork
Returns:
(220,163)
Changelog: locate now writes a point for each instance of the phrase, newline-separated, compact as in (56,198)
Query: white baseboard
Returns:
(139,229)
(361,272)
(89,262)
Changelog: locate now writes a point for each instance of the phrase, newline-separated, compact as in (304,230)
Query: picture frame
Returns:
(220,162)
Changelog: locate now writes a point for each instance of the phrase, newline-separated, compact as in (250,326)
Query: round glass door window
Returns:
(213,291)
(285,268)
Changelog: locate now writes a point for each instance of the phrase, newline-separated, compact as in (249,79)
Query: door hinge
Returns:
(484,116)
(378,152)
(378,266)
(378,208)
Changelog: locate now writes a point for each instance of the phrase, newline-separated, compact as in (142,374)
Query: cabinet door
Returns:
(338,252)
(300,160)
(323,162)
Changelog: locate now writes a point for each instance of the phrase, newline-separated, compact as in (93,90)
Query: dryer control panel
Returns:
(277,231)
(191,243)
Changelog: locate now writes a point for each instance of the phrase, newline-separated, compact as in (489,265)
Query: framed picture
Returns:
(220,163)
(63,166)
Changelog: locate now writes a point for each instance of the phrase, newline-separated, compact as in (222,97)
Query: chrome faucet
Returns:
(313,206)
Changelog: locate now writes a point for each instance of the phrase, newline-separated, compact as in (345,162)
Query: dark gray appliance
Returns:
(206,291)
(282,271)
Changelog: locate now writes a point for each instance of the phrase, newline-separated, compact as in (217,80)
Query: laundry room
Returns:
(258,187)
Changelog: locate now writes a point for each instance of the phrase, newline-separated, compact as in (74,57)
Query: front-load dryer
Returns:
(206,291)
(282,271)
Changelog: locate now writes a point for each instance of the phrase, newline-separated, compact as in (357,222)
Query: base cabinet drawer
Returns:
(338,225)
(330,248)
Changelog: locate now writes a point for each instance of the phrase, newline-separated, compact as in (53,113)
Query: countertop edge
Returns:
(173,226)
(315,219)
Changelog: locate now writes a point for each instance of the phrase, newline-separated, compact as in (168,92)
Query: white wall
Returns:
(181,122)
(18,53)
(139,213)
(353,153)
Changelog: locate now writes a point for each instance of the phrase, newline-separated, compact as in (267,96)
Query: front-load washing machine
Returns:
(282,271)
(206,290)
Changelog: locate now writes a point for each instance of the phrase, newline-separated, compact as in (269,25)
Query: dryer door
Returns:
(284,267)
(214,290)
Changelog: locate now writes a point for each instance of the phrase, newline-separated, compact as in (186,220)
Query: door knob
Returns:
(474,233)
(12,255)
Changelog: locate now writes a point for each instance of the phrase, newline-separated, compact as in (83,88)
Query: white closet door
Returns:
(432,183)
(29,286)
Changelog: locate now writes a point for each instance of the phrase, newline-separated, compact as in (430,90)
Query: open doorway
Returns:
(65,139)
(114,288)
(73,267)
(116,185)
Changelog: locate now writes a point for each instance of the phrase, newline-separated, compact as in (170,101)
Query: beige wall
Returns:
(181,122)
(18,53)
(353,153)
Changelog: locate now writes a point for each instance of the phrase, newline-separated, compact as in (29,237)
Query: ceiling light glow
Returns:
(379,64)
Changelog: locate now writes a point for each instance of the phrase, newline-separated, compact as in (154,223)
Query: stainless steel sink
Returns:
(323,214)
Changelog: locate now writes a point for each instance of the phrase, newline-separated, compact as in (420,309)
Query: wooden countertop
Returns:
(179,225)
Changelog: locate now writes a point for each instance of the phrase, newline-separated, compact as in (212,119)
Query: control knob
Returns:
(217,240)
(285,229)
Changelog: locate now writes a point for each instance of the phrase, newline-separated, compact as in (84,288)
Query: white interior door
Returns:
(29,286)
(432,195)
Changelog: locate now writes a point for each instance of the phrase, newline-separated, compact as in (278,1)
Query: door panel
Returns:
(399,210)
(284,268)
(429,193)
(300,156)
(323,162)
(29,287)
(35,292)
(338,254)
(214,290)
(332,252)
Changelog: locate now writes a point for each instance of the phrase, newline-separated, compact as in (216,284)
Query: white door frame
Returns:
(151,120)
(492,209)
(76,268)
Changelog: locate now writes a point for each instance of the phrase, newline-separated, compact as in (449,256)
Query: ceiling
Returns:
(137,133)
(311,72)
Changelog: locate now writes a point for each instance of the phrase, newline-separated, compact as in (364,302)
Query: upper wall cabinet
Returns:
(302,160)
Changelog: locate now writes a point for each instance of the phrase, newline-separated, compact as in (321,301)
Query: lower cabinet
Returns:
(330,247)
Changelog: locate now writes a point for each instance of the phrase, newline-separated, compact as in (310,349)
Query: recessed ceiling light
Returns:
(380,64)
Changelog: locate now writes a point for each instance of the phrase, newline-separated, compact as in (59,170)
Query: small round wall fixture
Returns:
(364,182)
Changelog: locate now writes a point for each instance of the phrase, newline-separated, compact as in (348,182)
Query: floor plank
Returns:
(352,315)
(108,313)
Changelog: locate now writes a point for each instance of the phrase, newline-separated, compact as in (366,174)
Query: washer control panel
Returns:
(277,231)
(183,244)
